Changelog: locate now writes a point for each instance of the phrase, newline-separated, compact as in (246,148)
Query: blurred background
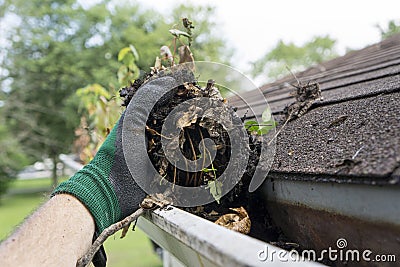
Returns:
(62,64)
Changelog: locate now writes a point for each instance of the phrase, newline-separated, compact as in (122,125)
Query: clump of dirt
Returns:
(195,130)
(306,95)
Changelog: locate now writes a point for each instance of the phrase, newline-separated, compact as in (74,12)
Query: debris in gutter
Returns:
(194,129)
(238,221)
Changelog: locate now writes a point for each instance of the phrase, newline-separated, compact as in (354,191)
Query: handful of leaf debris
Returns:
(186,109)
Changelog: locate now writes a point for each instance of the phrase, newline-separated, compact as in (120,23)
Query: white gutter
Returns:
(197,242)
(374,203)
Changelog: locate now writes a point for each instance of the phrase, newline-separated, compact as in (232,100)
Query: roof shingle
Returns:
(354,134)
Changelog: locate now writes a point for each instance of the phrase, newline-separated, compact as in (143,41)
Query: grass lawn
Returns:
(14,209)
(134,250)
(17,185)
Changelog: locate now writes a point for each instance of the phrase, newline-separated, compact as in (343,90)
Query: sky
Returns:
(253,27)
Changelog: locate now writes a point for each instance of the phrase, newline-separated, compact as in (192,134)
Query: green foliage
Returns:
(274,63)
(90,94)
(207,170)
(215,188)
(392,28)
(129,71)
(264,126)
(51,55)
(12,158)
(103,111)
(188,26)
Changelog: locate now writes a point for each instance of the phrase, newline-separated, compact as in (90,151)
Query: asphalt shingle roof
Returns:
(351,136)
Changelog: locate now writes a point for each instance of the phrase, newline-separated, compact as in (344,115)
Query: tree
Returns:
(46,62)
(11,157)
(392,28)
(297,58)
(59,46)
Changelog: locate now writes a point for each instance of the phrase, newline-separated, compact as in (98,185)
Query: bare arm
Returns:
(57,234)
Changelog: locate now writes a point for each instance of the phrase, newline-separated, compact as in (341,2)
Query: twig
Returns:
(194,176)
(109,231)
(298,82)
(356,154)
(152,131)
(280,129)
(173,185)
(204,155)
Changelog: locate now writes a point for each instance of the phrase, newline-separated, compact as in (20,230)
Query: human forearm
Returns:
(62,230)
(57,234)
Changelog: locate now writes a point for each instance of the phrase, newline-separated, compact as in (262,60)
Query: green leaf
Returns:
(93,89)
(122,53)
(251,125)
(266,115)
(122,75)
(206,170)
(128,60)
(179,33)
(215,188)
(266,128)
(134,51)
(135,71)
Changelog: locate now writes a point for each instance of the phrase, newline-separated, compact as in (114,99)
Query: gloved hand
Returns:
(105,185)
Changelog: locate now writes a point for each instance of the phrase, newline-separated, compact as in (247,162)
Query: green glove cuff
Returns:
(93,188)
